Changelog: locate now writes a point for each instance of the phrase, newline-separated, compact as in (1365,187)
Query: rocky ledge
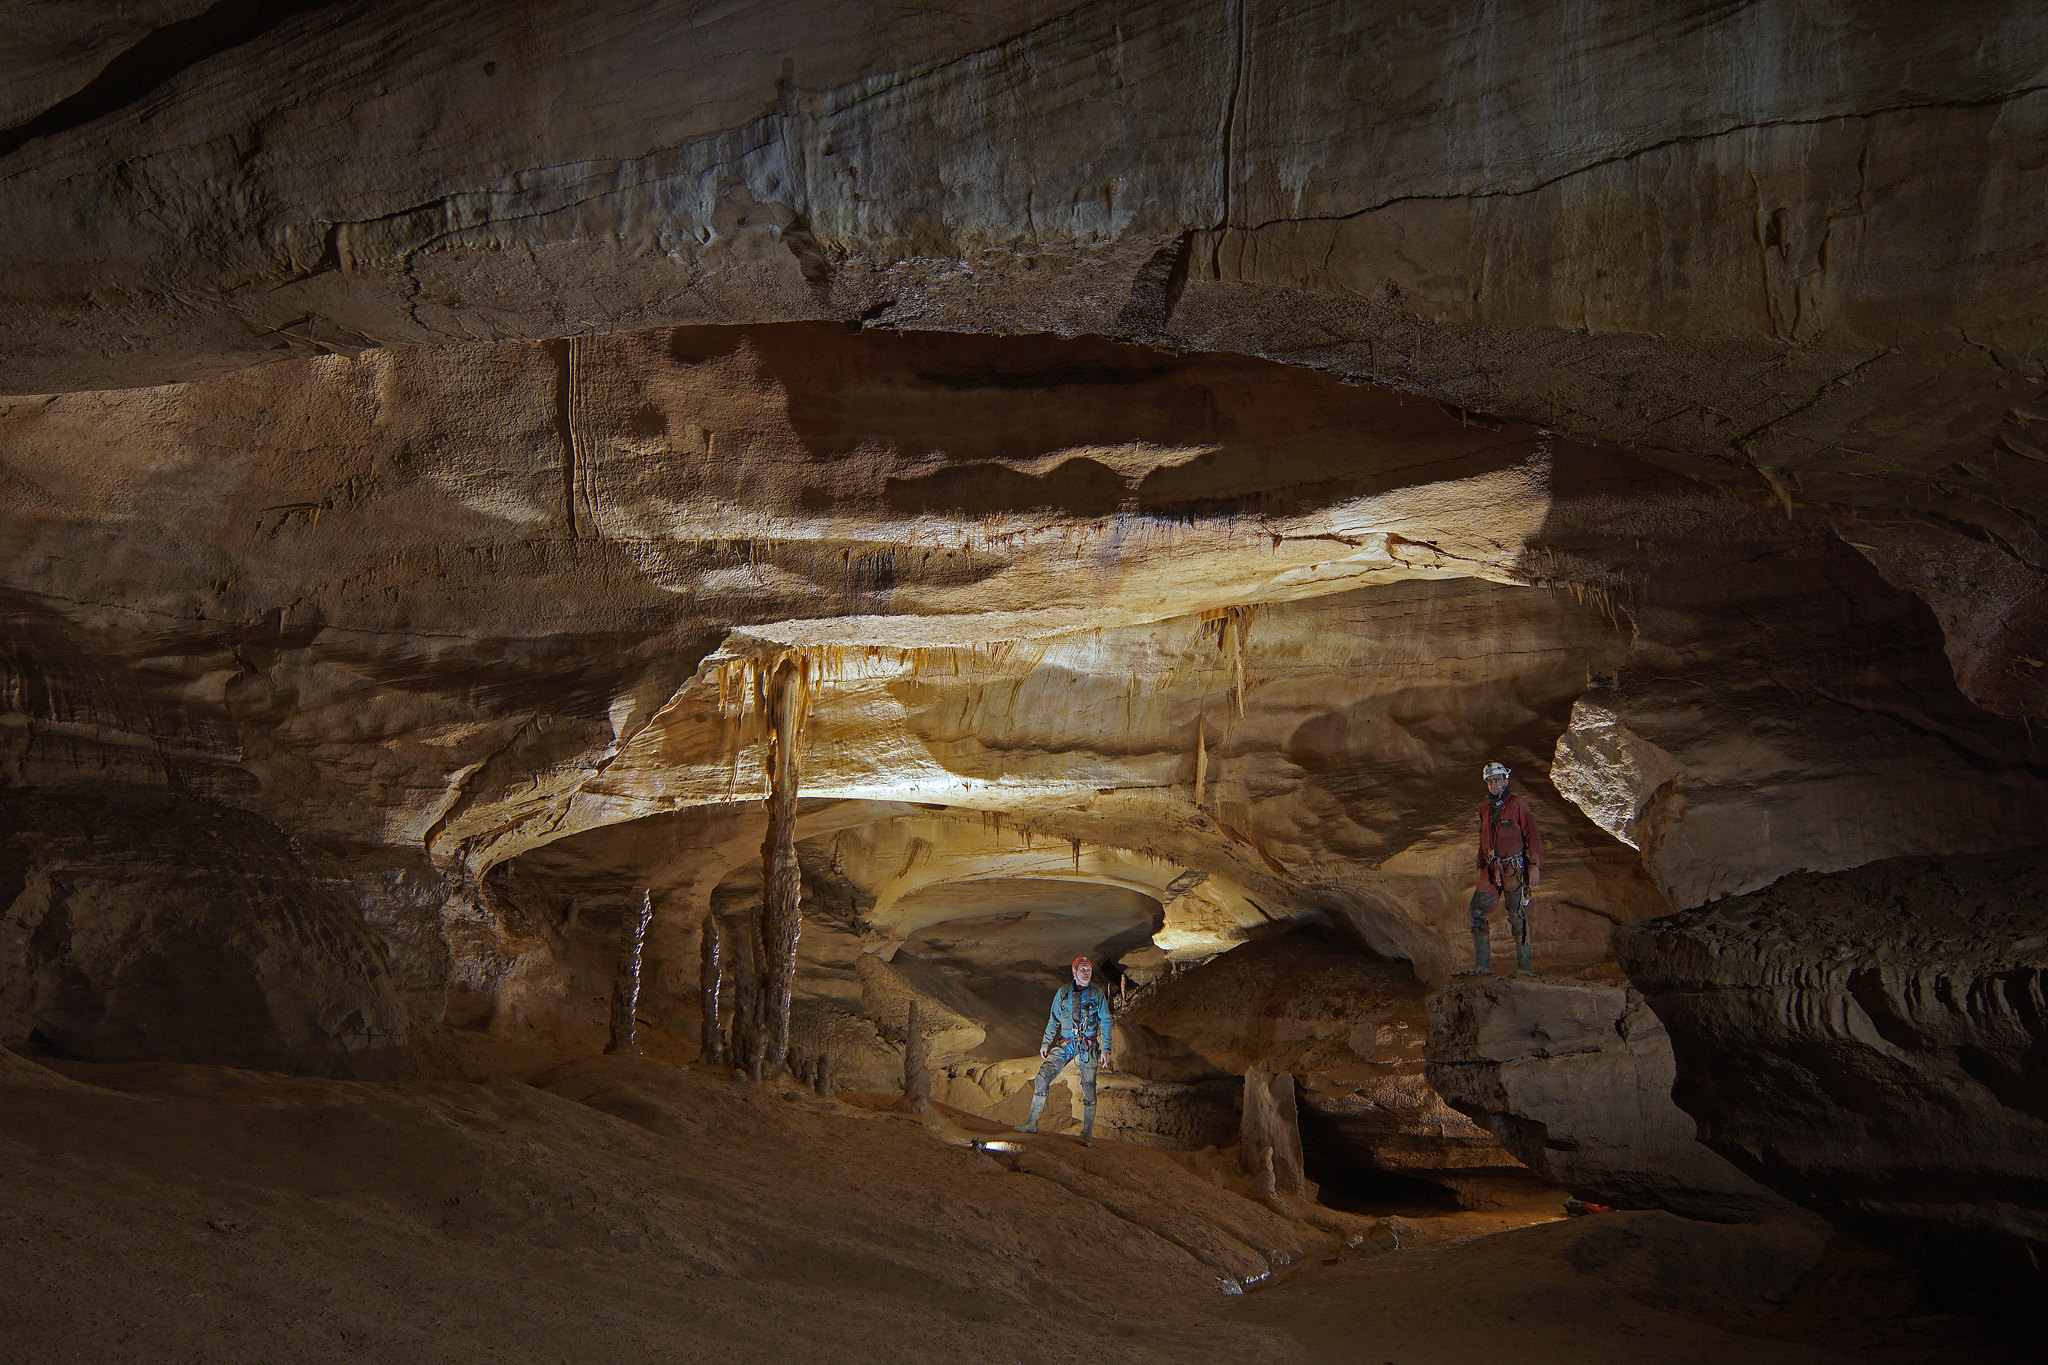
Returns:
(1871,1044)
(1574,1078)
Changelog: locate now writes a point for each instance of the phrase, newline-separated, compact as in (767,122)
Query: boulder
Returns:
(1347,1027)
(1289,1002)
(1574,1078)
(888,989)
(849,1041)
(1873,1044)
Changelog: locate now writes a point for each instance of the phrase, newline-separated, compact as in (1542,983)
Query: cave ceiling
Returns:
(1180,441)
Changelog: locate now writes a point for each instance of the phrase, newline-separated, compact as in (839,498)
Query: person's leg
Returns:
(1518,921)
(1088,1065)
(1055,1062)
(1478,913)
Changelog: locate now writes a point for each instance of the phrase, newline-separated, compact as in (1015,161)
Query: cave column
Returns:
(712,1036)
(626,984)
(785,702)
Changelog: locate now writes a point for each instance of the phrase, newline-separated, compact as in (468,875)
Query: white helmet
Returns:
(1493,770)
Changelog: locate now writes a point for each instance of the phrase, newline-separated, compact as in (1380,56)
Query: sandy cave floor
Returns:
(529,1206)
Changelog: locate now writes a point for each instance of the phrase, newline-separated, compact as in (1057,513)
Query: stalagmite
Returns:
(1270,1134)
(822,1081)
(746,1002)
(785,700)
(917,1074)
(626,986)
(712,1035)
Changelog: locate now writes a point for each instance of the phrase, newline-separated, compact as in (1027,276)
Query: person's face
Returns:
(1496,785)
(1083,974)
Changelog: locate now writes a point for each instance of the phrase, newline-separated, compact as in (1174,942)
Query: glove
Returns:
(1535,876)
(1044,1051)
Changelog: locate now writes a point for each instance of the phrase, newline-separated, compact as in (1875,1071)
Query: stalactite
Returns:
(785,697)
(1237,664)
(626,985)
(713,1033)
(1201,761)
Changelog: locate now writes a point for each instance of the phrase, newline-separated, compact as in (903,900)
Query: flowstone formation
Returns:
(749,537)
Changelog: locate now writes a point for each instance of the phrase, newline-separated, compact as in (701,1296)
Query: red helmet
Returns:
(1084,962)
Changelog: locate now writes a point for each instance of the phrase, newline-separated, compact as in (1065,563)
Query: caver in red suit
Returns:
(1510,862)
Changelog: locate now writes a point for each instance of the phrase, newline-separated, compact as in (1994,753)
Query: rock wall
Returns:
(1871,1044)
(1575,1078)
(1482,211)
(134,929)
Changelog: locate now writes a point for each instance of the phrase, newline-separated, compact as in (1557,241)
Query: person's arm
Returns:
(1532,840)
(1479,850)
(1105,1022)
(1052,1025)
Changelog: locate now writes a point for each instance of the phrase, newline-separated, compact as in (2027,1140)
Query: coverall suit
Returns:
(1510,846)
(1077,1031)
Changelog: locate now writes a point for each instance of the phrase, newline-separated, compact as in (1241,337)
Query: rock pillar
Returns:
(917,1072)
(741,1050)
(626,985)
(712,1035)
(1270,1134)
(785,700)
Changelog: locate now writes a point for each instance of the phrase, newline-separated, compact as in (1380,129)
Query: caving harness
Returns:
(1509,874)
(1075,1034)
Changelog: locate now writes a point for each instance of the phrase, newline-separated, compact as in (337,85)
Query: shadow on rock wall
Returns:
(142,927)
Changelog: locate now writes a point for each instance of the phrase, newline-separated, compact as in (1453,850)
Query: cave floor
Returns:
(529,1206)
(1643,1286)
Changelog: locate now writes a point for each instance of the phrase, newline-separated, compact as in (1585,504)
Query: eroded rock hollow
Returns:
(577,573)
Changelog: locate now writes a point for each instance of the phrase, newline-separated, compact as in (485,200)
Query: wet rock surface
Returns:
(1870,1044)
(1575,1078)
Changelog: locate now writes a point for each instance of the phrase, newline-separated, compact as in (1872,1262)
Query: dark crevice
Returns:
(156,60)
(565,379)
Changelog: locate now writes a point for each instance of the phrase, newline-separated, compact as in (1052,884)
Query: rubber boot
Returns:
(1037,1108)
(1522,958)
(1482,956)
(1087,1125)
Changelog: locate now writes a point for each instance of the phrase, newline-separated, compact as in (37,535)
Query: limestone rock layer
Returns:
(1869,1044)
(1477,211)
(1142,458)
